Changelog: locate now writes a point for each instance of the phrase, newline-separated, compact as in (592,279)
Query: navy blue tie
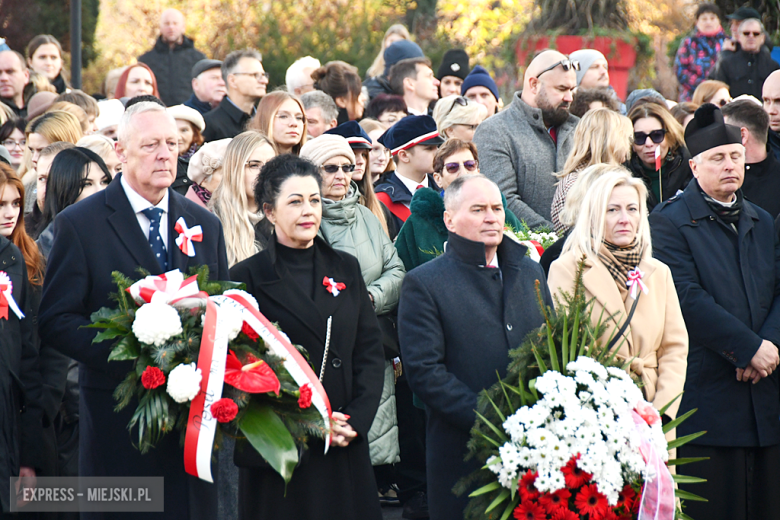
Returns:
(155,240)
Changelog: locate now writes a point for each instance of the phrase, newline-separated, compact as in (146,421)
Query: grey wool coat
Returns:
(457,322)
(518,154)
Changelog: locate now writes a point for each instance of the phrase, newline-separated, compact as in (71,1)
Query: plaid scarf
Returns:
(620,260)
(728,214)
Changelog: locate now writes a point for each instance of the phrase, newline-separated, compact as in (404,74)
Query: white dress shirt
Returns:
(411,185)
(139,204)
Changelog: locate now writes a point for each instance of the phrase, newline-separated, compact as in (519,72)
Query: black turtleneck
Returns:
(762,184)
(300,264)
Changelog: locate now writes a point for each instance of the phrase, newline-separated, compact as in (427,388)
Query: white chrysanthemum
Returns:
(231,319)
(184,383)
(248,297)
(156,323)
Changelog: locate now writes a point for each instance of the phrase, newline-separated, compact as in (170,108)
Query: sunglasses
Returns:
(724,102)
(454,167)
(657,136)
(566,65)
(333,168)
(753,34)
(460,100)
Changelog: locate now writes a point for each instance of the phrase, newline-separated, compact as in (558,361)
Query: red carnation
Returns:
(224,410)
(152,378)
(574,476)
(249,331)
(590,501)
(565,514)
(527,489)
(304,401)
(555,501)
(529,511)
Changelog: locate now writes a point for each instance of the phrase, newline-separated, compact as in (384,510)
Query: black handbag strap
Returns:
(623,327)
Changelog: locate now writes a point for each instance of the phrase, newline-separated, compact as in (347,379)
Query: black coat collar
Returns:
(236,114)
(509,252)
(699,208)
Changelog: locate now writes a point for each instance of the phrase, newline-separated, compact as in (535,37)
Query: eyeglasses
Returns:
(657,136)
(750,33)
(255,166)
(333,168)
(566,65)
(257,75)
(460,100)
(454,167)
(10,143)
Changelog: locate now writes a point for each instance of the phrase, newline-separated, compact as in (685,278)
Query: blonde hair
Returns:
(229,201)
(601,136)
(263,120)
(112,80)
(74,109)
(98,143)
(707,90)
(587,234)
(56,125)
(449,112)
(378,67)
(369,125)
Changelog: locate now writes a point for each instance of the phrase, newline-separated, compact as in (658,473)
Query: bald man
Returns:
(522,146)
(771,97)
(172,59)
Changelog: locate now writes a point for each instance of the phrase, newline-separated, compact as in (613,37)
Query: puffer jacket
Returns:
(349,226)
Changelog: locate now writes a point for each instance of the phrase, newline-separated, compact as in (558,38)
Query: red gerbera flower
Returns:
(565,514)
(256,377)
(573,475)
(554,501)
(590,501)
(249,331)
(529,511)
(626,497)
(611,515)
(527,489)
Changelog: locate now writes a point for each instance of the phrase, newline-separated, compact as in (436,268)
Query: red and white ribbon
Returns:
(201,425)
(187,236)
(333,286)
(635,281)
(658,158)
(535,249)
(170,288)
(7,297)
(658,502)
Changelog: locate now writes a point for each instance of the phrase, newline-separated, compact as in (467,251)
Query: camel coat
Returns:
(656,337)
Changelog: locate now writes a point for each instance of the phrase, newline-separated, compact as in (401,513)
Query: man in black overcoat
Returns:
(725,261)
(458,317)
(111,231)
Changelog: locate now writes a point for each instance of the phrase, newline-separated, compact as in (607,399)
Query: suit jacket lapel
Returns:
(125,224)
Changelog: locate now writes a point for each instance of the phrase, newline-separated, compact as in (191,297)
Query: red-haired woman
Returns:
(136,80)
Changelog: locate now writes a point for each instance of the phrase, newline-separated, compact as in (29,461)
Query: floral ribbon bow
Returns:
(635,281)
(332,286)
(170,288)
(187,236)
(7,297)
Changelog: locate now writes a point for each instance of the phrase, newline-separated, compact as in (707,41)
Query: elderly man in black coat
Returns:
(725,261)
(458,317)
(128,225)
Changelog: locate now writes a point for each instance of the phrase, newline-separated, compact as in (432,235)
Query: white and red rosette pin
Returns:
(333,286)
(635,282)
(187,236)
(7,297)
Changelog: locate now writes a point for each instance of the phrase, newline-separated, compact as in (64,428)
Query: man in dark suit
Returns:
(127,226)
(458,317)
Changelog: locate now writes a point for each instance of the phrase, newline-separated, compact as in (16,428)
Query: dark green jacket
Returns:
(423,234)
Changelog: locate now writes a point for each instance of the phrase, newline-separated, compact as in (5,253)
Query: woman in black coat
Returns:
(287,281)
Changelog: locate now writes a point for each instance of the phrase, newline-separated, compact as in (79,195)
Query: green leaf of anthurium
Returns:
(267,434)
(126,349)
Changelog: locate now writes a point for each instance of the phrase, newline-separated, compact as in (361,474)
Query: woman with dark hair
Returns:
(44,56)
(341,81)
(137,80)
(281,117)
(586,99)
(388,109)
(340,333)
(75,174)
(13,138)
(683,113)
(658,134)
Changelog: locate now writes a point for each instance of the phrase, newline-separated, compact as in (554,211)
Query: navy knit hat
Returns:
(401,50)
(410,131)
(354,134)
(707,130)
(479,77)
(455,63)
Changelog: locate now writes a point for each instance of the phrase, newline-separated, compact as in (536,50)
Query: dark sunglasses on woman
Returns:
(333,168)
(460,100)
(657,136)
(454,167)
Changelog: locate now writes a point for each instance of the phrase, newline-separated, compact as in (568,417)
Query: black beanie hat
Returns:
(454,63)
(707,130)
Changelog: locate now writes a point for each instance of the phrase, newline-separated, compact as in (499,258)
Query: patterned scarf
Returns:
(728,214)
(620,260)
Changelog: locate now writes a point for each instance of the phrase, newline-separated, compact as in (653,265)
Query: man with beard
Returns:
(523,145)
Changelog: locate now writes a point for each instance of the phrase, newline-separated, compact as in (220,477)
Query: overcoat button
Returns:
(336,363)
(508,326)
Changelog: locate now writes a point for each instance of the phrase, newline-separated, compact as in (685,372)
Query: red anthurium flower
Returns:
(249,331)
(526,488)
(590,501)
(565,514)
(224,410)
(152,377)
(555,501)
(574,476)
(256,377)
(529,511)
